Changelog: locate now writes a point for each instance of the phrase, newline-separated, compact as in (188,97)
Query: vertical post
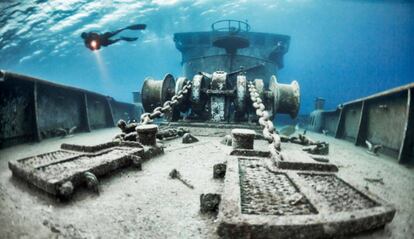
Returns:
(87,123)
(338,133)
(147,134)
(406,149)
(111,114)
(37,135)
(242,138)
(361,132)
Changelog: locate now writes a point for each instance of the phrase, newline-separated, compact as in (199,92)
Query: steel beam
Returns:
(406,150)
(362,124)
(339,128)
(109,113)
(87,123)
(37,135)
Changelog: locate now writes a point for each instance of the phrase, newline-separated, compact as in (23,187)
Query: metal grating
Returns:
(266,193)
(47,158)
(65,170)
(339,195)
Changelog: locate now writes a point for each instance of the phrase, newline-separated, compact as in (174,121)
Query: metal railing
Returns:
(230,26)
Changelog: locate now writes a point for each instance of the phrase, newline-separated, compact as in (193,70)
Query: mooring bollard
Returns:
(147,133)
(242,138)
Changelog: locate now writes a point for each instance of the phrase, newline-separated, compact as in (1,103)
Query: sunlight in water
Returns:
(103,70)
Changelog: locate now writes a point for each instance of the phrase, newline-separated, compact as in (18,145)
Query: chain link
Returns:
(167,106)
(269,131)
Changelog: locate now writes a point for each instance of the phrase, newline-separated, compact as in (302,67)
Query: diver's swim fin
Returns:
(129,38)
(137,27)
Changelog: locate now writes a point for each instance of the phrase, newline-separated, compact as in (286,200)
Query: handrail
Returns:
(230,26)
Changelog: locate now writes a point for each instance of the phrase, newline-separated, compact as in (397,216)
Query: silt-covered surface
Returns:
(148,204)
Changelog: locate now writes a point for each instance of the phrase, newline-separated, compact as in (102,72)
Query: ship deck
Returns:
(147,204)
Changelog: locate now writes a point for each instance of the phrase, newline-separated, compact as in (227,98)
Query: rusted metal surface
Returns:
(350,122)
(275,192)
(406,152)
(156,92)
(17,117)
(285,193)
(385,119)
(385,122)
(32,109)
(385,93)
(287,97)
(230,47)
(60,172)
(166,106)
(218,97)
(307,205)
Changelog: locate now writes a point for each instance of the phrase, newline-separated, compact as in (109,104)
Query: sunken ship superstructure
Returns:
(217,159)
(219,63)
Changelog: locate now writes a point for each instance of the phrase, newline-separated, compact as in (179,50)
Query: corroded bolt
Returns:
(209,202)
(66,190)
(242,138)
(147,134)
(175,174)
(219,170)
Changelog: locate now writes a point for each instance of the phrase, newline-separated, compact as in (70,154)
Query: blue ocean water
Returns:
(340,49)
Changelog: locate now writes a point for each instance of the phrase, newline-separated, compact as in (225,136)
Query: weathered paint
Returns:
(199,53)
(385,118)
(32,109)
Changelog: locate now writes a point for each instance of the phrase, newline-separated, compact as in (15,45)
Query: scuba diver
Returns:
(94,40)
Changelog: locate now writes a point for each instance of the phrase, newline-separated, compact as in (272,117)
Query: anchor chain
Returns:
(167,106)
(269,131)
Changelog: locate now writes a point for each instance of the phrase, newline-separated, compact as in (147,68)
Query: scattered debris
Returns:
(175,174)
(128,131)
(188,139)
(65,132)
(45,222)
(219,170)
(375,180)
(226,140)
(302,140)
(320,158)
(321,148)
(373,148)
(171,133)
(126,128)
(131,136)
(209,202)
(284,138)
(54,228)
(61,131)
(296,199)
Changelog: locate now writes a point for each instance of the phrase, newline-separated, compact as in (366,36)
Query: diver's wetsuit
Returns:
(105,39)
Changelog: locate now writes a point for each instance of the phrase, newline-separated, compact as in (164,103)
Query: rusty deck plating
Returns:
(51,170)
(261,200)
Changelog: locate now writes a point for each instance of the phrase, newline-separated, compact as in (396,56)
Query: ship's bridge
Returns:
(229,46)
